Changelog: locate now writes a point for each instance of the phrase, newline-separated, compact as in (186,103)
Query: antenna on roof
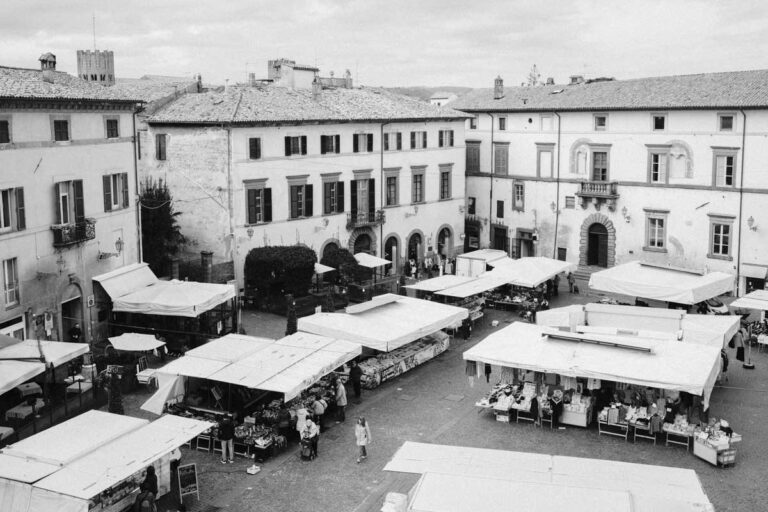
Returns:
(94,30)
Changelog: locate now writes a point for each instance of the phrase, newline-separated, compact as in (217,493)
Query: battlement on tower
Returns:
(96,66)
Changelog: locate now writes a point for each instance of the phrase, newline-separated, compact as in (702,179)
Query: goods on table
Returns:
(391,364)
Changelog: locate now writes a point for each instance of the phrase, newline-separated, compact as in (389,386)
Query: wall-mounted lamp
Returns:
(626,215)
(751,223)
(119,244)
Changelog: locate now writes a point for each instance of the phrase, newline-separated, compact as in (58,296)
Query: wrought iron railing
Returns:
(361,219)
(73,233)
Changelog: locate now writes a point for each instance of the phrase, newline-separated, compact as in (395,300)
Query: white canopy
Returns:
(757,299)
(462,479)
(531,271)
(127,279)
(638,279)
(388,326)
(169,389)
(366,260)
(13,373)
(667,365)
(439,283)
(135,342)
(322,269)
(487,281)
(487,255)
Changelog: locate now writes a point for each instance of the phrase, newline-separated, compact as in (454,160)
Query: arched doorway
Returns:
(444,242)
(390,253)
(362,244)
(597,245)
(415,247)
(329,247)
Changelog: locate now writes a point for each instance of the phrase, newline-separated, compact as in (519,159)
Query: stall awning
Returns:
(135,342)
(127,279)
(713,330)
(14,372)
(174,298)
(484,283)
(530,272)
(229,348)
(638,279)
(366,260)
(668,365)
(757,299)
(537,477)
(487,255)
(388,326)
(189,366)
(439,283)
(322,269)
(754,271)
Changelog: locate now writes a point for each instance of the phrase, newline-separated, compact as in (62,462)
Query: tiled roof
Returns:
(739,89)
(272,104)
(151,89)
(29,84)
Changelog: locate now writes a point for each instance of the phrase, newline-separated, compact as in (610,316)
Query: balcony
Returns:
(363,219)
(598,192)
(74,233)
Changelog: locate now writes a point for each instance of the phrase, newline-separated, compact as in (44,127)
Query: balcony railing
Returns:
(606,189)
(362,219)
(73,233)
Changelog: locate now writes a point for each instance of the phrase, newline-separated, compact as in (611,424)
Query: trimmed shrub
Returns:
(279,270)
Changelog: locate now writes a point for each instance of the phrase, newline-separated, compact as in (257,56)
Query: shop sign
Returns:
(188,480)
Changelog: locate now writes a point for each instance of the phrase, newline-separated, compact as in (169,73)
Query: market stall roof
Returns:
(14,372)
(649,362)
(366,260)
(487,281)
(439,283)
(135,342)
(714,330)
(7,341)
(127,279)
(649,281)
(531,271)
(537,477)
(388,326)
(757,299)
(487,255)
(322,269)
(189,366)
(229,348)
(112,463)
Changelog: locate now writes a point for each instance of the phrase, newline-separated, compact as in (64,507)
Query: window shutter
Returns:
(440,138)
(372,198)
(339,197)
(370,142)
(303,144)
(107,182)
(399,140)
(720,171)
(77,185)
(254,148)
(322,144)
(287,146)
(337,145)
(251,205)
(21,222)
(663,168)
(424,140)
(266,205)
(124,180)
(307,200)
(327,196)
(353,196)
(57,196)
(355,146)
(413,140)
(451,134)
(385,142)
(294,202)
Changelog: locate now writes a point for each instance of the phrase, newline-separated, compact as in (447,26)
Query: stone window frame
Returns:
(722,220)
(518,185)
(655,213)
(599,148)
(544,147)
(595,126)
(502,123)
(542,117)
(255,184)
(661,150)
(420,170)
(8,118)
(498,145)
(664,116)
(720,116)
(61,117)
(108,118)
(445,169)
(719,151)
(570,202)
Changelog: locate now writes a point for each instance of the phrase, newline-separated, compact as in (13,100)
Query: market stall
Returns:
(757,299)
(490,480)
(436,284)
(532,271)
(472,264)
(670,284)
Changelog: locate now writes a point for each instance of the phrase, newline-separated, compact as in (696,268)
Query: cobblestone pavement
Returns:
(417,407)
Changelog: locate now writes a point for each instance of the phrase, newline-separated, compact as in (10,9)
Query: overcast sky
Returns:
(394,42)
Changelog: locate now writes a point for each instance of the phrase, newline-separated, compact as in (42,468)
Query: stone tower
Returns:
(96,66)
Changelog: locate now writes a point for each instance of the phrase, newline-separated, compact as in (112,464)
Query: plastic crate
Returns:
(727,457)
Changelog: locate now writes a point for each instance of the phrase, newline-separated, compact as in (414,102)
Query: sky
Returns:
(394,42)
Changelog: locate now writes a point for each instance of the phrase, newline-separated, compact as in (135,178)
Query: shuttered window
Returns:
(296,145)
(254,148)
(301,201)
(116,193)
(259,205)
(12,214)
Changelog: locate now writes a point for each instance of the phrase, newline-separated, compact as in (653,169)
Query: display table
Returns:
(29,388)
(678,438)
(717,453)
(23,411)
(79,387)
(642,431)
(5,433)
(613,429)
(575,418)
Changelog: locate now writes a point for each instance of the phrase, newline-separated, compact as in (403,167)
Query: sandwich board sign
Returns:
(188,480)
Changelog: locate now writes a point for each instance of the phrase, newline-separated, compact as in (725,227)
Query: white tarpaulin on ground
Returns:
(388,326)
(487,281)
(757,299)
(439,283)
(458,479)
(366,260)
(13,373)
(135,342)
(637,279)
(667,365)
(530,272)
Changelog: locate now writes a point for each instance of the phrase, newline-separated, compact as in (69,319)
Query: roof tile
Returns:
(29,84)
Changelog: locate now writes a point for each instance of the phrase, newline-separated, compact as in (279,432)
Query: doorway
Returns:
(363,244)
(415,247)
(500,240)
(597,245)
(71,314)
(390,253)
(444,242)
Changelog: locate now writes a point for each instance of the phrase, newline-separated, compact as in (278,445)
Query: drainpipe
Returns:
(230,207)
(138,190)
(490,208)
(741,198)
(557,181)
(381,189)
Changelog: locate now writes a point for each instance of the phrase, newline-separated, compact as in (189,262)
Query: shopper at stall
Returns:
(571,281)
(355,374)
(227,436)
(362,437)
(145,500)
(284,421)
(556,285)
(150,481)
(301,418)
(318,410)
(341,401)
(75,333)
(311,432)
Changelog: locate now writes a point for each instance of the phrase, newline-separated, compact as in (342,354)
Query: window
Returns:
(161,145)
(570,202)
(445,182)
(445,138)
(500,158)
(393,141)
(473,157)
(417,187)
(473,123)
(599,166)
(725,122)
(655,230)
(544,160)
(112,126)
(60,130)
(362,143)
(392,192)
(70,207)
(296,145)
(12,215)
(600,122)
(301,201)
(418,140)
(659,122)
(720,237)
(547,123)
(471,205)
(330,144)
(518,197)
(11,282)
(724,167)
(333,197)
(115,191)
(500,209)
(258,204)
(5,131)
(502,123)
(657,166)
(254,148)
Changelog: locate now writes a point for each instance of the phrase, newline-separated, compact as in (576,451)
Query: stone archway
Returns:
(597,218)
(445,241)
(363,231)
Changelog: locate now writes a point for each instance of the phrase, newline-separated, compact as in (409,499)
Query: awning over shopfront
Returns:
(757,299)
(530,272)
(649,362)
(439,283)
(388,326)
(480,479)
(135,342)
(127,279)
(366,260)
(648,281)
(487,281)
(20,362)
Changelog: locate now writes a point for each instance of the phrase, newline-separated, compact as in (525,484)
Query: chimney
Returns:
(348,79)
(226,85)
(48,66)
(252,79)
(550,81)
(199,79)
(174,268)
(317,88)
(498,88)
(206,259)
(577,79)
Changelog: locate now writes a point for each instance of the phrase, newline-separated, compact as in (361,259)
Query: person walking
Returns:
(355,374)
(571,281)
(341,401)
(227,436)
(311,432)
(362,437)
(556,285)
(318,409)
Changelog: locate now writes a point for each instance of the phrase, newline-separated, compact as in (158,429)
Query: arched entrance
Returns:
(597,245)
(444,242)
(391,254)
(416,247)
(71,313)
(363,243)
(329,247)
